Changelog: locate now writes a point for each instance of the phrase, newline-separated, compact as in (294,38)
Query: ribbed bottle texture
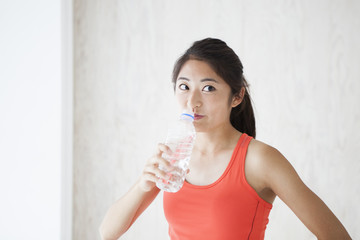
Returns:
(180,139)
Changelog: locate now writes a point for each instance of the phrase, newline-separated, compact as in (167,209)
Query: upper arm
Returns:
(280,176)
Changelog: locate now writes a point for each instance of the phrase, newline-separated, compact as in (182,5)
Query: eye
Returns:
(209,88)
(183,87)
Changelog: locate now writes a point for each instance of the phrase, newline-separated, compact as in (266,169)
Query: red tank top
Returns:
(228,209)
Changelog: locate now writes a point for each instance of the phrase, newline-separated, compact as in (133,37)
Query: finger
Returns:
(154,170)
(153,160)
(150,177)
(158,160)
(164,163)
(162,148)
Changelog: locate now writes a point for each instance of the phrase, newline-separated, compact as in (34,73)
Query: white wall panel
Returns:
(301,59)
(30,120)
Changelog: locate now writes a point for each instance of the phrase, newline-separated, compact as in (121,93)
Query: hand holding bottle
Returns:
(152,172)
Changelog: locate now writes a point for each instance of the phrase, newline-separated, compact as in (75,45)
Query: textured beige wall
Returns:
(300,57)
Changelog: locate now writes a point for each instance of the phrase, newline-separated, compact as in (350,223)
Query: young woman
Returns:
(233,178)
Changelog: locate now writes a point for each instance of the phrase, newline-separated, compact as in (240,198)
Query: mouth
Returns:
(198,117)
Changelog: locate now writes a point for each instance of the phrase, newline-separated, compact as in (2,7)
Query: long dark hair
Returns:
(224,61)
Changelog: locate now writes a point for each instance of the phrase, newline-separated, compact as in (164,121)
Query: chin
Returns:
(199,129)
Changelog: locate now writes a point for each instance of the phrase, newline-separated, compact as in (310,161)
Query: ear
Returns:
(238,97)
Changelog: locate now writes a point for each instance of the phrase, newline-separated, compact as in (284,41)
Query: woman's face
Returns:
(201,91)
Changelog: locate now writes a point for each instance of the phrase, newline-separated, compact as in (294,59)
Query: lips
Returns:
(198,116)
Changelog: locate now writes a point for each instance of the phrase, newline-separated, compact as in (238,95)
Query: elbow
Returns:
(106,234)
(103,234)
(344,235)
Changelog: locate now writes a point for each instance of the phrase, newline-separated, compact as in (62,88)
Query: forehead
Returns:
(196,69)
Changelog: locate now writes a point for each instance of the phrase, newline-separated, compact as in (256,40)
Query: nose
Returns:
(194,101)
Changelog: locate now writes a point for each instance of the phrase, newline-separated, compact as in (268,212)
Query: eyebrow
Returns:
(202,80)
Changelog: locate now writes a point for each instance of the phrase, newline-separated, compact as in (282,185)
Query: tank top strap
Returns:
(242,154)
(239,166)
(239,156)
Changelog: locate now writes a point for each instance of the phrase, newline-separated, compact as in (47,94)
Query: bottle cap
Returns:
(187,116)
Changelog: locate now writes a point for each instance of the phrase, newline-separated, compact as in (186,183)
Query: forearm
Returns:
(323,222)
(332,228)
(124,212)
(127,209)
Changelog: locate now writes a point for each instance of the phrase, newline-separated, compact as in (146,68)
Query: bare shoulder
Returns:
(261,153)
(263,162)
(268,168)
(258,147)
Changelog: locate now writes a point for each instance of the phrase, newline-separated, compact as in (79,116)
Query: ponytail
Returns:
(242,116)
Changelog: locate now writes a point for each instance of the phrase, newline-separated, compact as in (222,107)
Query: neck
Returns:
(212,142)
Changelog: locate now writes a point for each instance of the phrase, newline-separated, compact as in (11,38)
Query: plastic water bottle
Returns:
(180,139)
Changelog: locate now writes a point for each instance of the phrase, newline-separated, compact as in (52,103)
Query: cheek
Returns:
(180,99)
(222,106)
(220,101)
